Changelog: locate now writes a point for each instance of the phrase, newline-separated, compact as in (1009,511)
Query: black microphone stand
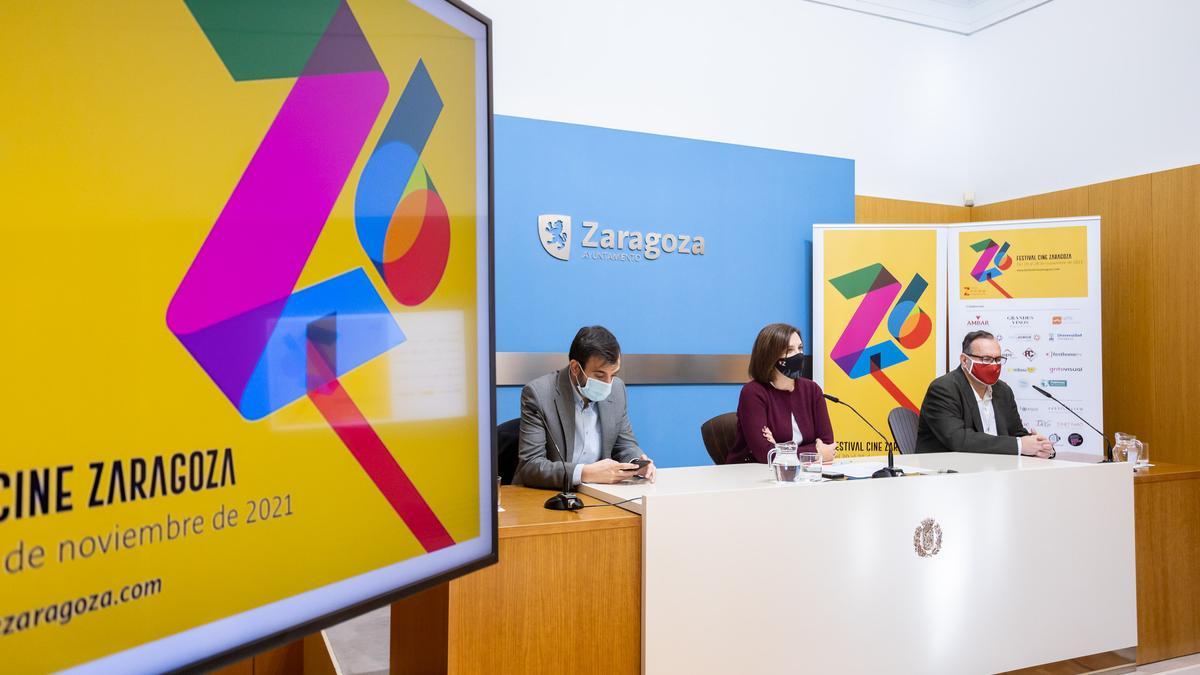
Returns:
(1108,456)
(889,471)
(566,500)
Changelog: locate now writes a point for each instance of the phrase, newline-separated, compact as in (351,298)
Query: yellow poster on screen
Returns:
(241,310)
(1023,263)
(880,319)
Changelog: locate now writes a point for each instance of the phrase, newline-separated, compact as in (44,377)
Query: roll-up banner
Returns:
(1034,284)
(880,330)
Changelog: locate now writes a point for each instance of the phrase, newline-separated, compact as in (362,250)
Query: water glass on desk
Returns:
(810,464)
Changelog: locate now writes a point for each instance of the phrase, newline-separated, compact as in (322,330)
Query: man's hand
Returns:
(608,471)
(650,471)
(1036,445)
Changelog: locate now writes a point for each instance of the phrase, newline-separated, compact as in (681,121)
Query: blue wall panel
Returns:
(754,207)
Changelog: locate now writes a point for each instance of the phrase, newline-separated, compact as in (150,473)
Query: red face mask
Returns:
(988,374)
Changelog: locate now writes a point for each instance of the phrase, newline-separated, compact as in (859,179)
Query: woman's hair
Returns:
(772,341)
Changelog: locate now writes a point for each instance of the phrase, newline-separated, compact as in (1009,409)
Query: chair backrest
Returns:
(719,433)
(508,440)
(903,423)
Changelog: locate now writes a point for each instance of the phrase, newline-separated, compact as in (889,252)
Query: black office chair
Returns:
(719,434)
(508,441)
(903,423)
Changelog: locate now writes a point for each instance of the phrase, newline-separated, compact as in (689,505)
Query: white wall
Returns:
(1082,91)
(782,74)
(1070,93)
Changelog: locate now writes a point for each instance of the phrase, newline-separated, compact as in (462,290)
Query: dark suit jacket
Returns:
(950,419)
(550,398)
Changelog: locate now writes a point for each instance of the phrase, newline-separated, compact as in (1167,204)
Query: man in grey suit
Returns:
(574,419)
(970,410)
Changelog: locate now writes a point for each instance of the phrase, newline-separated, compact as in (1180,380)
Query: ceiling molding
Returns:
(964,17)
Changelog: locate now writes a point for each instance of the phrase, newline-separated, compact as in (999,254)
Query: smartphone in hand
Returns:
(643,466)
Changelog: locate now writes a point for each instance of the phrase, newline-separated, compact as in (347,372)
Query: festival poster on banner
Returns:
(1035,285)
(879,305)
(246,320)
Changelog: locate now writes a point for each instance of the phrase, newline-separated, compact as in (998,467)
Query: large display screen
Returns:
(247,321)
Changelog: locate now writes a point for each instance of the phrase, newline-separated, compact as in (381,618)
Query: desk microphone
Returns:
(566,500)
(1107,444)
(889,471)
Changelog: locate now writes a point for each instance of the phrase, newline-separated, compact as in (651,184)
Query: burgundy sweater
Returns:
(763,405)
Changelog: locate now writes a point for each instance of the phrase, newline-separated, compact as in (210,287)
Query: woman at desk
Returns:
(779,404)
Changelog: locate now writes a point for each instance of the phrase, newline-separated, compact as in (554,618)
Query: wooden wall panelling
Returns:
(1063,204)
(880,210)
(1125,210)
(1009,210)
(1172,311)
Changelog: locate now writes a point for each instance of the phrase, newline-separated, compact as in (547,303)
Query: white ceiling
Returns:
(957,16)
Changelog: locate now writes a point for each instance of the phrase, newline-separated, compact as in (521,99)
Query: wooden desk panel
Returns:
(566,595)
(1163,472)
(1167,523)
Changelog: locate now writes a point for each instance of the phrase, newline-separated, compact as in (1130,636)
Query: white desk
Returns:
(741,574)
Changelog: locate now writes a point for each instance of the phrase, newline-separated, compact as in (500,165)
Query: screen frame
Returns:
(301,630)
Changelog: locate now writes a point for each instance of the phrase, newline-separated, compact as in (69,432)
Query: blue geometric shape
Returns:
(366,329)
(379,191)
(391,164)
(887,354)
(906,304)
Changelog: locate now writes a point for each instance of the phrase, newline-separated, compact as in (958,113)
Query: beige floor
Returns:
(360,645)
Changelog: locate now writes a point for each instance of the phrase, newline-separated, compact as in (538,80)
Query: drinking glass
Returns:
(810,463)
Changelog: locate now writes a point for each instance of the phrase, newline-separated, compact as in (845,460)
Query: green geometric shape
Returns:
(982,245)
(418,181)
(860,281)
(263,39)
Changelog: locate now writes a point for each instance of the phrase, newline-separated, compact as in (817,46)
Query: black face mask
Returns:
(792,367)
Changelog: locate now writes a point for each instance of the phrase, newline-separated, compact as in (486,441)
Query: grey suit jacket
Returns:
(547,445)
(950,420)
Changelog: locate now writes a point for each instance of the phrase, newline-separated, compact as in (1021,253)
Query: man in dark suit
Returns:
(970,410)
(580,412)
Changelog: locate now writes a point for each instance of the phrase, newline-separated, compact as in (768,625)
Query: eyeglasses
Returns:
(988,360)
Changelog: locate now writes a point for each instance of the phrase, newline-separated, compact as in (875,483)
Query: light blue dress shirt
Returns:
(587,436)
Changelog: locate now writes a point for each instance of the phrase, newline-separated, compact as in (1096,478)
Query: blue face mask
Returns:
(593,390)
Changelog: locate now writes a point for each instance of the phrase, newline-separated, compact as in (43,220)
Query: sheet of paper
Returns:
(865,469)
(858,469)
